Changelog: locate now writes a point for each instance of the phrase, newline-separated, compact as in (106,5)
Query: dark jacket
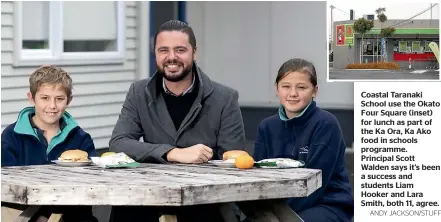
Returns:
(313,137)
(21,145)
(214,120)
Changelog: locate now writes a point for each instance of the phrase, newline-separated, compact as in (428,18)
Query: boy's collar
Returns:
(62,122)
(23,123)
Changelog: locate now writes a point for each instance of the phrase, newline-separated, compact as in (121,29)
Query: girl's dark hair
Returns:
(176,25)
(297,65)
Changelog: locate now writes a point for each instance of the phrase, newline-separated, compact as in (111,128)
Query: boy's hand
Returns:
(194,154)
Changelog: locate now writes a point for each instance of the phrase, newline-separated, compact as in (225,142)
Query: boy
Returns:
(43,132)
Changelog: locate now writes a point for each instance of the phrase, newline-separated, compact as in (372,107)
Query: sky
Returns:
(394,9)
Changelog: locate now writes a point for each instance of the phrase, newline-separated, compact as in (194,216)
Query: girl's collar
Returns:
(284,117)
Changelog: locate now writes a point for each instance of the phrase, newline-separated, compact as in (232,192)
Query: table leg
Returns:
(12,214)
(168,218)
(55,218)
(226,210)
(9,214)
(283,212)
(27,214)
(272,210)
(255,211)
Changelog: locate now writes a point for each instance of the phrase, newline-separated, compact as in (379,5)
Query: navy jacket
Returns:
(314,137)
(21,145)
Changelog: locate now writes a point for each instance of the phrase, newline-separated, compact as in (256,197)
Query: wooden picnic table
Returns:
(260,193)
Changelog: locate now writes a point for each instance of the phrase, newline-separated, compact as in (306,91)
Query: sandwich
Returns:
(233,154)
(74,156)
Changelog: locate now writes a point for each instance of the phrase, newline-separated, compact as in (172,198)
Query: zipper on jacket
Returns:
(53,148)
(38,141)
(190,120)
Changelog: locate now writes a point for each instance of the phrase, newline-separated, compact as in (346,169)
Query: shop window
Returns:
(412,46)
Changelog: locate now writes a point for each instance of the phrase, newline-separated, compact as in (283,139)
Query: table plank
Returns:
(152,184)
(231,192)
(93,195)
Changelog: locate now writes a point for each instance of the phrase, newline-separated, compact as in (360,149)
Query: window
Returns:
(416,47)
(69,32)
(403,47)
(371,50)
(427,47)
(413,46)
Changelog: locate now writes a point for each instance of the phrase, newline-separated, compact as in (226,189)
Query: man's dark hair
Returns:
(176,25)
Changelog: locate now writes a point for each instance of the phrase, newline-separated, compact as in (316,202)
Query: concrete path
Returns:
(343,74)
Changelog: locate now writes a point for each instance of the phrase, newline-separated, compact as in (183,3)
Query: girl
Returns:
(303,131)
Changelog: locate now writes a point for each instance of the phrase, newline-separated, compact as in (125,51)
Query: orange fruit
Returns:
(244,162)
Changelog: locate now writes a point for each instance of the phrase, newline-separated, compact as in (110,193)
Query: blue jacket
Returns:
(22,146)
(314,137)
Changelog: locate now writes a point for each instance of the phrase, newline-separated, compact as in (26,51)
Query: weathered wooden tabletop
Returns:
(152,184)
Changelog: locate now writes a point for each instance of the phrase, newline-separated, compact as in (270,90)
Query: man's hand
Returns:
(194,154)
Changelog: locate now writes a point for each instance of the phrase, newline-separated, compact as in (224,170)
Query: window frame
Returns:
(54,54)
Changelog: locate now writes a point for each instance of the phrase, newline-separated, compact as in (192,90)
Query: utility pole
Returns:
(431,15)
(332,27)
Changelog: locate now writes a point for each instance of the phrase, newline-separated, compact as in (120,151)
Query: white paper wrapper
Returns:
(229,161)
(114,161)
(279,163)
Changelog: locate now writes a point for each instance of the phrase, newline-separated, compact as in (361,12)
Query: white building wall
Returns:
(99,90)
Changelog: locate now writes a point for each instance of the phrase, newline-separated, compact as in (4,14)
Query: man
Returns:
(181,114)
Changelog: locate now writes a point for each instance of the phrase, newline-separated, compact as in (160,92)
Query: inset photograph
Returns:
(387,41)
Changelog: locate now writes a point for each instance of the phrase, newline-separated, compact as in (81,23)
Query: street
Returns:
(344,74)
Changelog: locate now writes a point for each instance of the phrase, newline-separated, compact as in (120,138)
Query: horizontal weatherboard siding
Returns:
(98,90)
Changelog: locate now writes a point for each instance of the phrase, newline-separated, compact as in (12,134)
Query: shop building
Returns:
(409,43)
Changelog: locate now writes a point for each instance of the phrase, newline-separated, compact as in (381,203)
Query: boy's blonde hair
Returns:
(52,75)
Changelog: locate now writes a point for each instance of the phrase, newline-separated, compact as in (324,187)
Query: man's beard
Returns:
(175,77)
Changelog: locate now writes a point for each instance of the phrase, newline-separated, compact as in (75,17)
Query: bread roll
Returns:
(232,154)
(74,156)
